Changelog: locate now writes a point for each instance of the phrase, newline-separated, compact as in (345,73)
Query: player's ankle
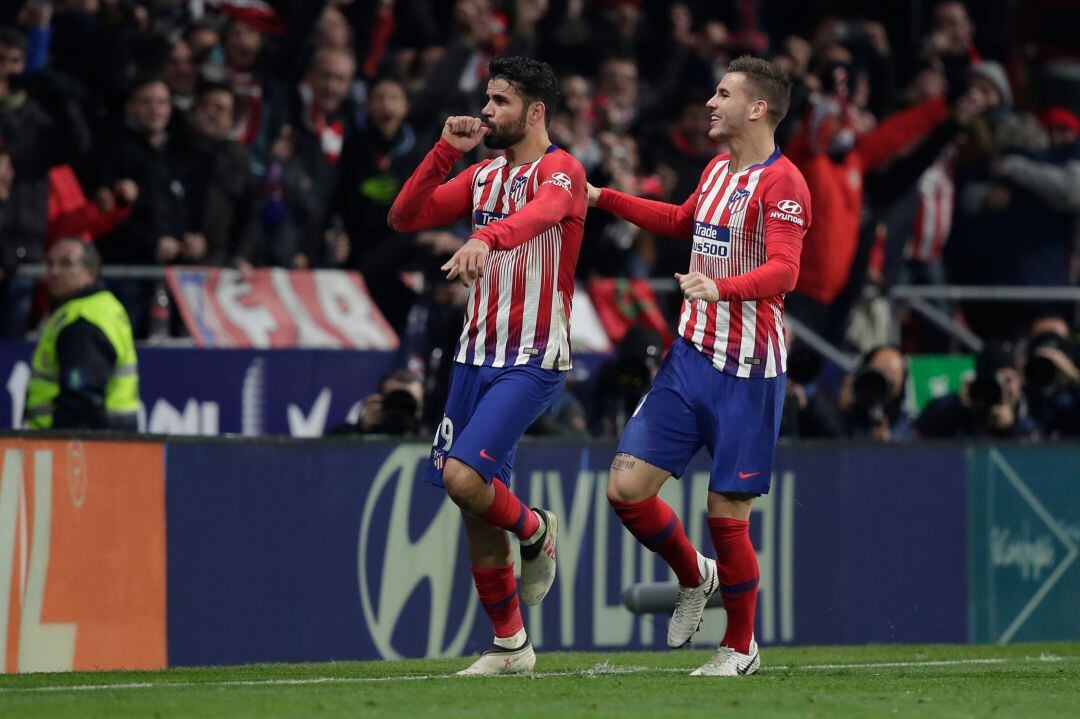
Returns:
(515,641)
(538,534)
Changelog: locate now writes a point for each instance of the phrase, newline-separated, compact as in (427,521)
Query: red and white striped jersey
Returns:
(533,217)
(732,215)
(937,202)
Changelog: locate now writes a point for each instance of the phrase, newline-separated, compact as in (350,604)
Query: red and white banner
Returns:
(279,308)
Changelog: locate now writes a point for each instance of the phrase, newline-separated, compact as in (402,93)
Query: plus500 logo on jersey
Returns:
(711,240)
(485,217)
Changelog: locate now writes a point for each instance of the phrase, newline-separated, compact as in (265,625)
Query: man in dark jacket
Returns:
(220,191)
(303,174)
(375,165)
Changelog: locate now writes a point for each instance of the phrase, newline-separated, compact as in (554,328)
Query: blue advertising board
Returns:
(209,392)
(300,393)
(316,551)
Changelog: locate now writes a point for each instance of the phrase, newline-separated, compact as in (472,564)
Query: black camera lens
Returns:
(870,388)
(399,412)
(985,392)
(1040,373)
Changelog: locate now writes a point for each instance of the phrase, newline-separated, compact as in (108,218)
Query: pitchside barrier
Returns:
(146,553)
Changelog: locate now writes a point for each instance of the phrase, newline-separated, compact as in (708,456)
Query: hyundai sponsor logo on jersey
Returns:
(788,210)
(711,240)
(485,217)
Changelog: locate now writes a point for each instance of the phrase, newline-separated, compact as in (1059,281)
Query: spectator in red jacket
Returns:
(834,156)
(71,214)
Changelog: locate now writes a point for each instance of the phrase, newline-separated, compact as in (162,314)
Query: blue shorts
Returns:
(692,404)
(486,413)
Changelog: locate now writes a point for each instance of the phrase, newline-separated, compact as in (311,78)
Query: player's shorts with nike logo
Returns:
(487,411)
(693,404)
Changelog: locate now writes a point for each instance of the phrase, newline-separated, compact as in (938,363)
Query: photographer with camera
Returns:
(1051,378)
(394,410)
(872,397)
(990,405)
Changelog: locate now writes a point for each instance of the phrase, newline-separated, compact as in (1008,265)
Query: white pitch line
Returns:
(597,671)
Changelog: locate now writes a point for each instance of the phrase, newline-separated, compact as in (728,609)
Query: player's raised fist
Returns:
(696,286)
(464,133)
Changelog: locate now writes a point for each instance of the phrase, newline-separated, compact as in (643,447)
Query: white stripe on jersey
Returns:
(551,256)
(703,205)
(780,337)
(770,348)
(533,276)
(749,332)
(504,266)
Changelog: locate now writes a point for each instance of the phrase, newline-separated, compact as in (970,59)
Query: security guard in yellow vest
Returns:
(84,373)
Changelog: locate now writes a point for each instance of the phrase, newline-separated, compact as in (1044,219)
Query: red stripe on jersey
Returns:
(709,340)
(517,305)
(474,325)
(734,338)
(491,320)
(547,288)
(762,336)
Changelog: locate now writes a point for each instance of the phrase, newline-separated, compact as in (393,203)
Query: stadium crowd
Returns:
(940,144)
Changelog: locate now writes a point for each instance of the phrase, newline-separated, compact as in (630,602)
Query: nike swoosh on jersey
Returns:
(748,475)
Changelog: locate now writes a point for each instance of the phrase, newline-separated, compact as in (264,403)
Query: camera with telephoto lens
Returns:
(399,409)
(870,389)
(1041,375)
(985,392)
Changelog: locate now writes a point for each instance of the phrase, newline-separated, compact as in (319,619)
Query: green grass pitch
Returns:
(1025,680)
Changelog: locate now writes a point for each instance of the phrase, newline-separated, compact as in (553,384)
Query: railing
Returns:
(918,298)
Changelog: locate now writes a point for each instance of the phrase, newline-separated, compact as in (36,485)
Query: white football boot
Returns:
(538,561)
(499,660)
(729,663)
(690,604)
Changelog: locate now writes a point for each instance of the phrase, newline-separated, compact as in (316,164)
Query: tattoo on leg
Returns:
(622,461)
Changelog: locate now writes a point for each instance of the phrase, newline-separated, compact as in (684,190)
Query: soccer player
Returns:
(527,210)
(722,383)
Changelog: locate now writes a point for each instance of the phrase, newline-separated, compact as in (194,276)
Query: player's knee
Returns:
(621,489)
(462,483)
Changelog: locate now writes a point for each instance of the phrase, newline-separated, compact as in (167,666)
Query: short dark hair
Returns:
(765,81)
(535,81)
(10,37)
(140,81)
(208,86)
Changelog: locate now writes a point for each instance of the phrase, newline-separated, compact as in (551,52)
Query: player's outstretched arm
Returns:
(662,218)
(424,202)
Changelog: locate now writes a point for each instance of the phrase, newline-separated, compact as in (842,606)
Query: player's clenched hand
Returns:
(467,263)
(696,286)
(464,133)
(594,194)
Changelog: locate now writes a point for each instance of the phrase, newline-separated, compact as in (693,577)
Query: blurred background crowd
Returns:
(939,141)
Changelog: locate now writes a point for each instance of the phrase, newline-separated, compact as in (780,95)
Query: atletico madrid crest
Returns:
(739,199)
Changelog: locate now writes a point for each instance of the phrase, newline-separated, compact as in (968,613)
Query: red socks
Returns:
(510,513)
(657,527)
(498,595)
(737,570)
